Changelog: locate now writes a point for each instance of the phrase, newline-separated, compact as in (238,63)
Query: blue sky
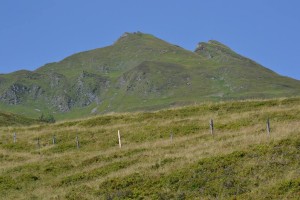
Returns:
(36,32)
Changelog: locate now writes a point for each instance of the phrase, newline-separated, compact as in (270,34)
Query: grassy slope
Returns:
(240,161)
(243,77)
(9,119)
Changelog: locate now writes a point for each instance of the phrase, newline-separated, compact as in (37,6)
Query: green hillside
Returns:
(239,161)
(139,72)
(9,119)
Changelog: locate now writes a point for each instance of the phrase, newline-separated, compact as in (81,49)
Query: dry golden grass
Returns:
(54,171)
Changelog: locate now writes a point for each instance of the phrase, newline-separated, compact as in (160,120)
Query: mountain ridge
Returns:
(140,71)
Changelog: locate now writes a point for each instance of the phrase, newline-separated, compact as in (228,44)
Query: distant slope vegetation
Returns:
(139,72)
(9,119)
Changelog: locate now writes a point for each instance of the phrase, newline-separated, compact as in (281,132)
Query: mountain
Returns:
(139,72)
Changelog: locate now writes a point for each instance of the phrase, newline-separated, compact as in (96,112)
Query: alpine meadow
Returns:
(169,154)
(146,119)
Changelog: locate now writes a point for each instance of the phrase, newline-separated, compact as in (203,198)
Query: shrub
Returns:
(47,118)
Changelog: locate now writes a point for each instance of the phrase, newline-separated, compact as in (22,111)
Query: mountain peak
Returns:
(216,50)
(132,35)
(127,34)
(210,44)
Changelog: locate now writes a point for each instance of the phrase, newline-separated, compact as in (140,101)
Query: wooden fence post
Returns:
(77,142)
(119,136)
(53,140)
(15,137)
(268,126)
(211,125)
(38,143)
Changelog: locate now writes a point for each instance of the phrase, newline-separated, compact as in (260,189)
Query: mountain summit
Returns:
(140,72)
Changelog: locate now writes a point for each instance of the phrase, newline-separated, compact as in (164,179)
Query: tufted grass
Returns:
(239,162)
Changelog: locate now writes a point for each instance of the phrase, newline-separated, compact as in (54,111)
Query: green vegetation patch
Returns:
(9,119)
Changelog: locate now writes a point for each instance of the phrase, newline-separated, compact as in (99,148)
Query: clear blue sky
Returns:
(35,32)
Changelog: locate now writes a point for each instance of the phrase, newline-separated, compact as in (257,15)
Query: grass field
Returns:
(240,161)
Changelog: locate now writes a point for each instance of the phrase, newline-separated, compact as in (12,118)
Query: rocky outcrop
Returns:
(62,103)
(36,92)
(18,92)
(89,88)
(220,52)
(56,80)
(202,49)
(154,79)
(54,89)
(13,95)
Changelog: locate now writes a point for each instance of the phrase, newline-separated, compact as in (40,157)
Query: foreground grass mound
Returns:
(168,154)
